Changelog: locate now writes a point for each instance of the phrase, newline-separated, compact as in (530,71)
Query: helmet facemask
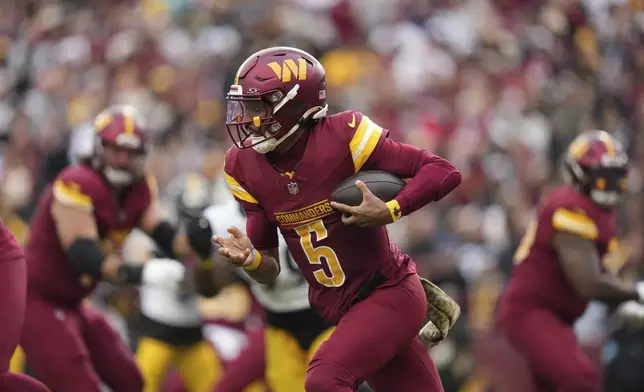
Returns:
(121,174)
(606,183)
(250,121)
(253,121)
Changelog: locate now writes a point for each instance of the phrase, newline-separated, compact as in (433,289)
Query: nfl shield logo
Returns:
(292,188)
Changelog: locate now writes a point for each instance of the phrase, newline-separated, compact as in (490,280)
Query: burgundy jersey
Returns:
(335,259)
(10,250)
(49,270)
(538,278)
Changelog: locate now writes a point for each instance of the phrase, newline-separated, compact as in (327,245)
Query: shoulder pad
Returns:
(78,186)
(570,214)
(234,179)
(359,132)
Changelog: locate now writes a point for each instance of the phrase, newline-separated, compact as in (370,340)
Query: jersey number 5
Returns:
(335,277)
(526,242)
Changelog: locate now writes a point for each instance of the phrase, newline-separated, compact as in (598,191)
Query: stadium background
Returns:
(499,87)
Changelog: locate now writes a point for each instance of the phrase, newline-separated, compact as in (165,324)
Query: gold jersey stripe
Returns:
(574,223)
(71,195)
(364,142)
(238,191)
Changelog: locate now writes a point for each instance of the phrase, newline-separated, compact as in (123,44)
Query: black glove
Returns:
(200,235)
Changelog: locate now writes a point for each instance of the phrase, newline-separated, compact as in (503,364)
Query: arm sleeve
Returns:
(261,231)
(432,177)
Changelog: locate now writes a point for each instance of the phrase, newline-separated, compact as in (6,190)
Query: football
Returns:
(382,184)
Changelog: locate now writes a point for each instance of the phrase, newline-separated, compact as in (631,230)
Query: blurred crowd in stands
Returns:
(499,87)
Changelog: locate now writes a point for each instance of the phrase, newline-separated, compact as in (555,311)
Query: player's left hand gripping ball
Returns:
(372,212)
(199,235)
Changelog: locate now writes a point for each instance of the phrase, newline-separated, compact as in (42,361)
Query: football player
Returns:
(294,331)
(13,297)
(559,265)
(170,326)
(288,157)
(76,232)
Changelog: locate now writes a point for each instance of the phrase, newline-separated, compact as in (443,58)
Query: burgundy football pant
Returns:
(376,341)
(73,349)
(557,361)
(13,293)
(247,368)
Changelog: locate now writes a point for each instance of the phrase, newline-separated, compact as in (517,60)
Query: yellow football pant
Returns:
(197,364)
(286,361)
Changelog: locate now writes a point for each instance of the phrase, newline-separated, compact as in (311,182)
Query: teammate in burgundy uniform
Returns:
(289,156)
(13,296)
(69,346)
(559,265)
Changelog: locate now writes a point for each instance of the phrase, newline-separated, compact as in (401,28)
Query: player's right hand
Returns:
(237,248)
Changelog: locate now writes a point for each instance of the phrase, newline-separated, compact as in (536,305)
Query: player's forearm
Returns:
(205,281)
(213,275)
(110,268)
(608,289)
(432,177)
(432,182)
(266,270)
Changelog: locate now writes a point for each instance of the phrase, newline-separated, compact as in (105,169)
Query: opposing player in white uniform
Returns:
(171,323)
(294,331)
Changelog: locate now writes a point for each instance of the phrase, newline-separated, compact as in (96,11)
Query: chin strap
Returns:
(270,145)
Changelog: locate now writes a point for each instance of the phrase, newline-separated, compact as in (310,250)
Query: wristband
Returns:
(257,259)
(394,209)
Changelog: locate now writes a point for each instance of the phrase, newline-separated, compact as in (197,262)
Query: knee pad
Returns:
(14,382)
(329,378)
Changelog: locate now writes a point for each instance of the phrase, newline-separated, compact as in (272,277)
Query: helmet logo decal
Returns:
(253,90)
(289,68)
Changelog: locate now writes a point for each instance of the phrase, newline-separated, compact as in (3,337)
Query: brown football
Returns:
(382,184)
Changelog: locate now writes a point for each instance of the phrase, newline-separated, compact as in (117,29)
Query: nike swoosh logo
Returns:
(353,121)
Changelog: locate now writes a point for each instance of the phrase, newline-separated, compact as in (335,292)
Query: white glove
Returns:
(639,287)
(631,310)
(163,273)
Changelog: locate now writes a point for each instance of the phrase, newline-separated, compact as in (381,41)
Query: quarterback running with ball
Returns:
(288,157)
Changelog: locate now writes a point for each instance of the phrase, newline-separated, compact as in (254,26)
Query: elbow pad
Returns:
(86,257)
(163,236)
